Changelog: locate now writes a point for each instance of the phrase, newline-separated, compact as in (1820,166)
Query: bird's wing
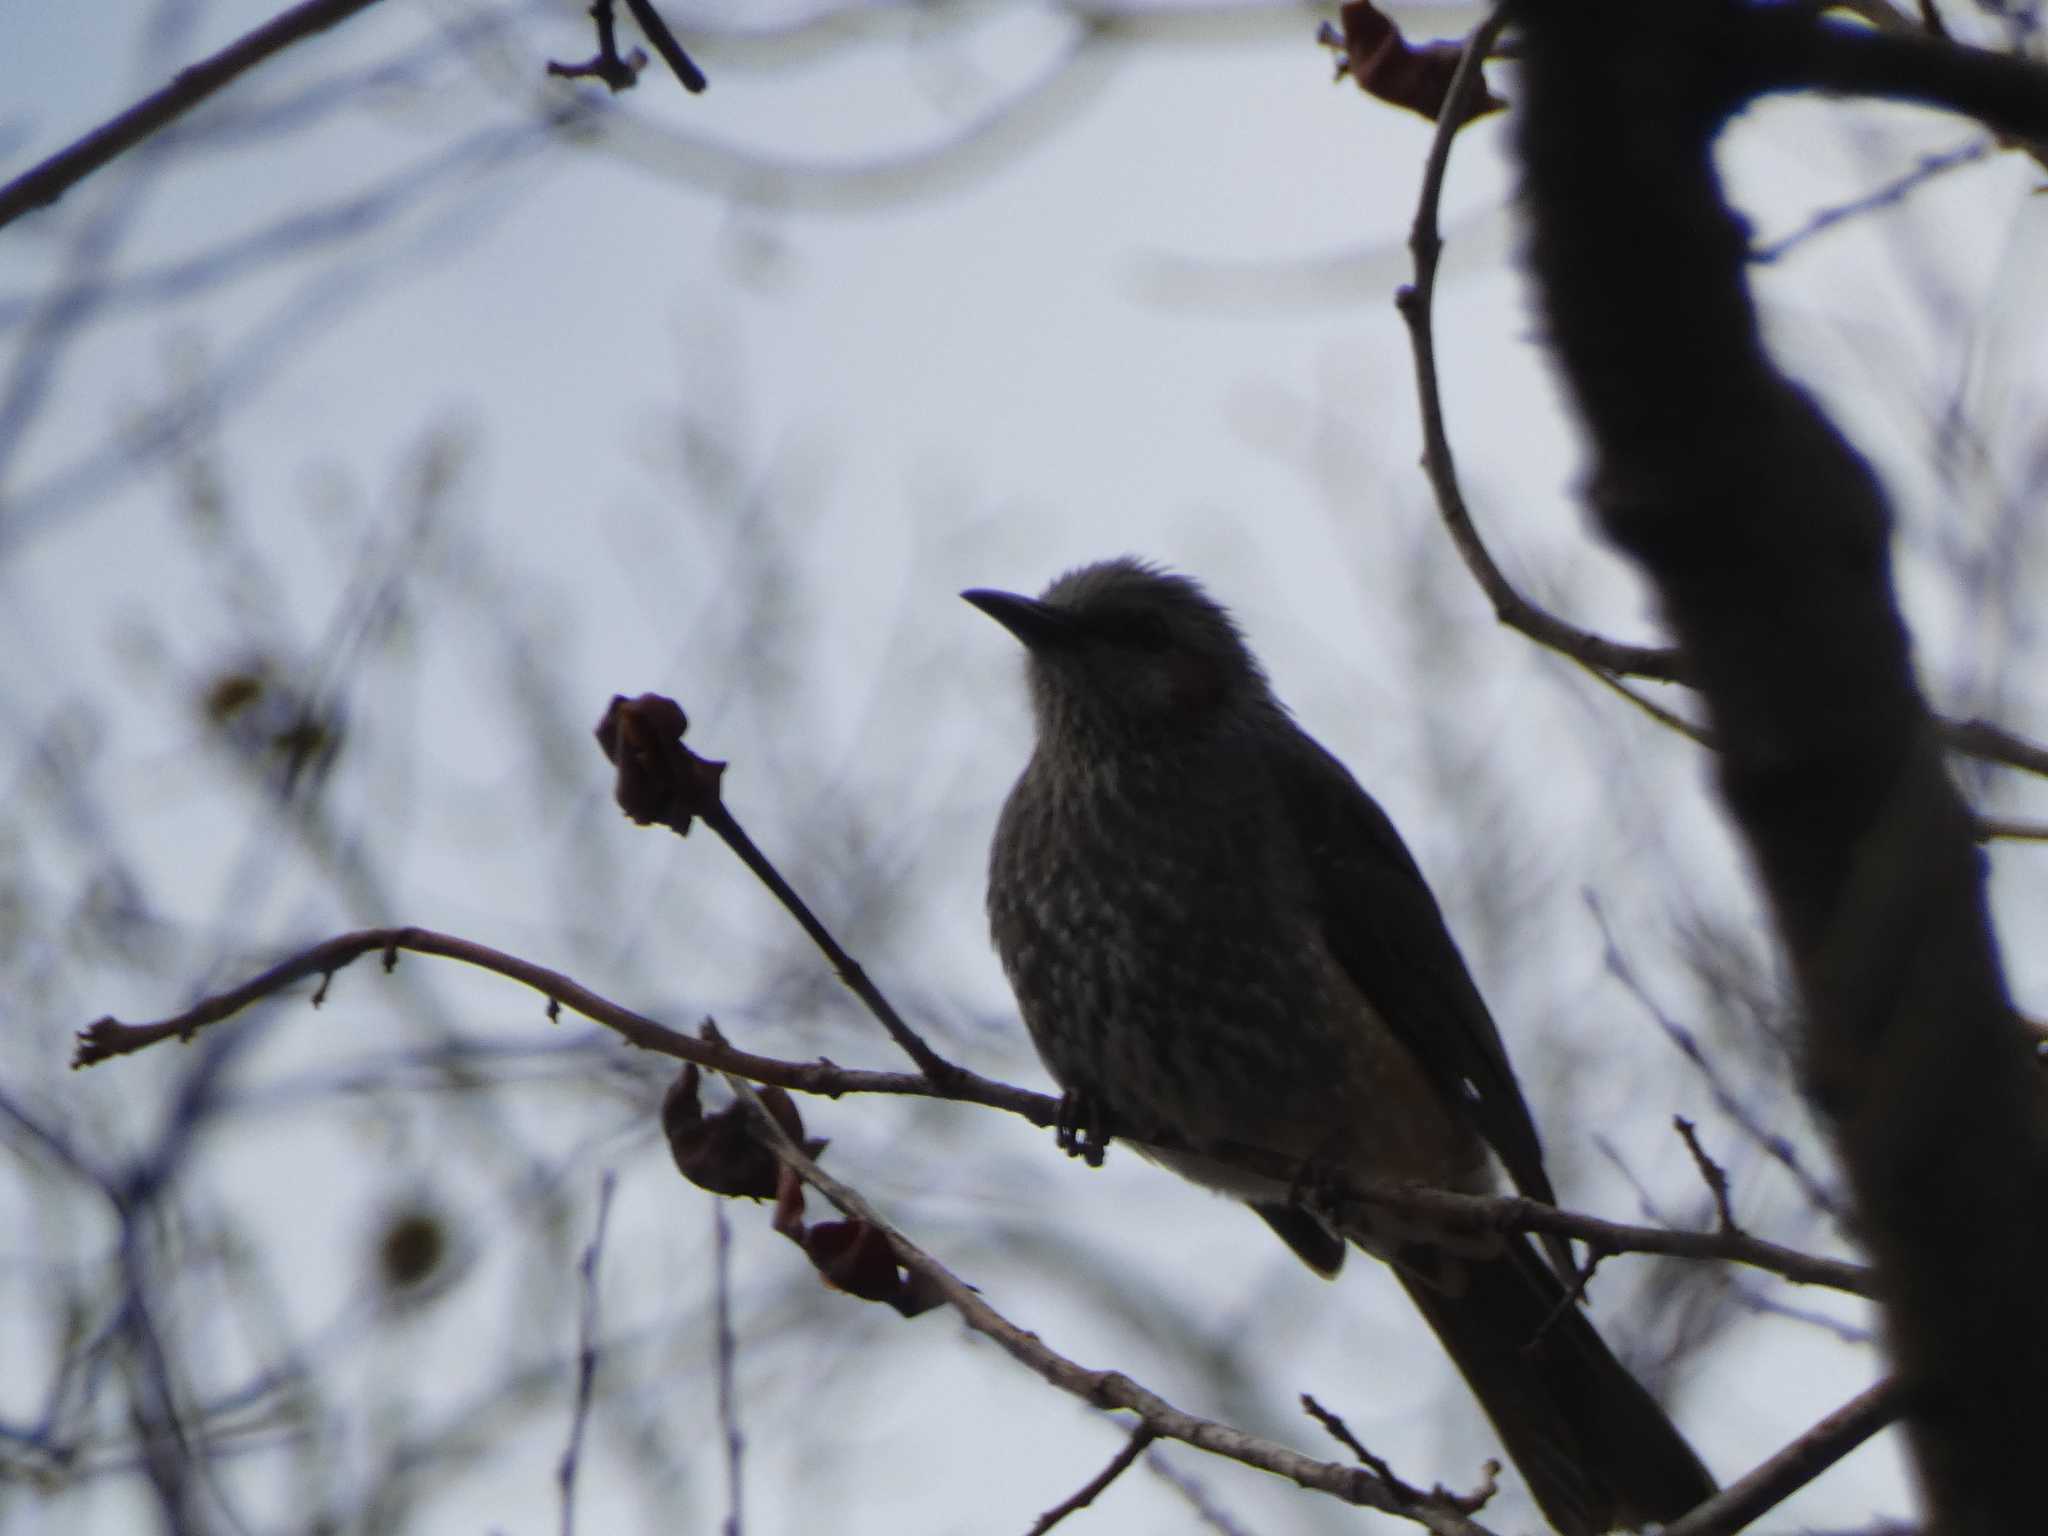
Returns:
(1382,924)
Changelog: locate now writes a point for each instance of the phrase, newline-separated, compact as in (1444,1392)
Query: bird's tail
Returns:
(1596,1450)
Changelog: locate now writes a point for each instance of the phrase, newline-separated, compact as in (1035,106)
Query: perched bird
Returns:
(1218,941)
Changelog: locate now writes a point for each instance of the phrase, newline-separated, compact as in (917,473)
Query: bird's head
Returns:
(1130,655)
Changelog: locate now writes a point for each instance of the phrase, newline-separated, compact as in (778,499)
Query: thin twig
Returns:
(934,1066)
(656,31)
(1886,196)
(1608,660)
(728,1358)
(1119,1464)
(109,1037)
(1464,1503)
(1712,1172)
(1773,1144)
(1991,829)
(662,781)
(616,71)
(1518,1213)
(1995,744)
(1335,1427)
(1754,1298)
(1196,1495)
(43,184)
(1414,302)
(1482,1213)
(1669,719)
(586,1355)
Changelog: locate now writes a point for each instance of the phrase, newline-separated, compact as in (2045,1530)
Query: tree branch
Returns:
(43,184)
(1604,657)
(108,1037)
(1788,49)
(586,1354)
(1108,1389)
(661,781)
(1767,538)
(1608,660)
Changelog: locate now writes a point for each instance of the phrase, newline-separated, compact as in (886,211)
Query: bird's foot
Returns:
(1080,1130)
(1319,1187)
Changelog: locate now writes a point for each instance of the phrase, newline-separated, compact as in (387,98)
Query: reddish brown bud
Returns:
(1385,64)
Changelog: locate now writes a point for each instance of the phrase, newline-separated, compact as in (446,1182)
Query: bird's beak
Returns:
(1037,624)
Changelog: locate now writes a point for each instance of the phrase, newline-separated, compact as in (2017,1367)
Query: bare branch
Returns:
(586,1355)
(109,1037)
(1463,1503)
(661,780)
(43,184)
(1197,1496)
(1595,652)
(1104,1389)
(1991,829)
(1713,1173)
(1787,50)
(619,72)
(656,31)
(1608,660)
(1775,1145)
(728,1375)
(1119,1464)
(1478,1213)
(614,70)
(1995,744)
(1890,194)
(1671,720)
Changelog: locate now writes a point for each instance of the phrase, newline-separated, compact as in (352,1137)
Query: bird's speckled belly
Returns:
(1218,1022)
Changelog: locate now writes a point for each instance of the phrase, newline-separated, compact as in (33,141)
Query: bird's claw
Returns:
(1079,1129)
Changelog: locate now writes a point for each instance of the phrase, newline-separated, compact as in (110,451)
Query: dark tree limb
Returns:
(1611,661)
(1767,537)
(1788,50)
(43,184)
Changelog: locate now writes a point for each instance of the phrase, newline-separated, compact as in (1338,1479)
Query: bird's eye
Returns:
(1137,630)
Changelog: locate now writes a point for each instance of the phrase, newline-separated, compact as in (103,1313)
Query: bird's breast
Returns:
(1170,965)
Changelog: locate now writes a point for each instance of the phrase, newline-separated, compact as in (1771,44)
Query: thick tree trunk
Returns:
(1767,537)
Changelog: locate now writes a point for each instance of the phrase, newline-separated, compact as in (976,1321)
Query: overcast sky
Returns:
(727,397)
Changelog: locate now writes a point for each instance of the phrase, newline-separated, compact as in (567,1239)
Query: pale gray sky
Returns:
(1159,322)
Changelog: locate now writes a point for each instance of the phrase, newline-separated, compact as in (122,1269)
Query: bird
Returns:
(1218,942)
